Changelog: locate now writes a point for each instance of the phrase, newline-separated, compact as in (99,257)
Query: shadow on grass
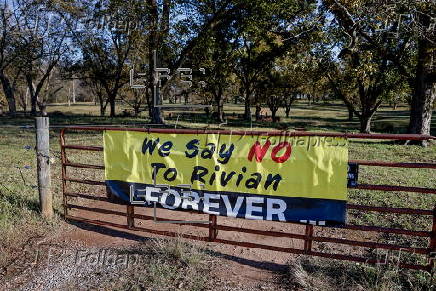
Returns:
(383,121)
(72,119)
(131,236)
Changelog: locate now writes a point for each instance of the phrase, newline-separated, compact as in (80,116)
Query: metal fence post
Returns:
(43,166)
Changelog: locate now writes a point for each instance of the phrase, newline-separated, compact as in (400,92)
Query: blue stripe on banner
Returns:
(250,206)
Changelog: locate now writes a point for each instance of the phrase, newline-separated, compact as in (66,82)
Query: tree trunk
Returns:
(155,42)
(33,102)
(424,91)
(156,115)
(112,106)
(136,110)
(102,109)
(102,104)
(9,93)
(257,113)
(288,111)
(247,110)
(350,112)
(11,103)
(220,108)
(247,103)
(273,115)
(365,123)
(33,95)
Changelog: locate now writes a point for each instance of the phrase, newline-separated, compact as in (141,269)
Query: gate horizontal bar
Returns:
(394,164)
(326,239)
(363,260)
(84,196)
(419,233)
(266,133)
(390,209)
(394,188)
(83,166)
(83,148)
(87,182)
(360,162)
(371,245)
(97,210)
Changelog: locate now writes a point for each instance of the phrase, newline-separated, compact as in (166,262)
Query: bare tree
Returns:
(42,39)
(9,52)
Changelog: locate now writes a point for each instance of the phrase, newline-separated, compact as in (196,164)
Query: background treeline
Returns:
(257,52)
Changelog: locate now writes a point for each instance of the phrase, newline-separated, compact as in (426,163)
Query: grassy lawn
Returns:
(20,222)
(330,116)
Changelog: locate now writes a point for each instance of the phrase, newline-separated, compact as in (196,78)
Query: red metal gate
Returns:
(426,255)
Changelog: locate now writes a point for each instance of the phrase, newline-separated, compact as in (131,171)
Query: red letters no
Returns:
(285,156)
(259,151)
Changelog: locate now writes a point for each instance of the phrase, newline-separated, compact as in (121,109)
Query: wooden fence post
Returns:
(43,166)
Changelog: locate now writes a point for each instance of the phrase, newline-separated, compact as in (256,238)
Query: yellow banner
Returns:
(310,167)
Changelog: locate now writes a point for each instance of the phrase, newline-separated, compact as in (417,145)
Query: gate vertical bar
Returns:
(308,239)
(432,254)
(64,171)
(212,227)
(130,216)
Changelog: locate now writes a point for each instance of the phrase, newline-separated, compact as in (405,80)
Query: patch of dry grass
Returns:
(316,274)
(158,264)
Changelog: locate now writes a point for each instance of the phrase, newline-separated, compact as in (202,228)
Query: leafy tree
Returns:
(106,50)
(409,27)
(364,66)
(267,32)
(298,73)
(40,36)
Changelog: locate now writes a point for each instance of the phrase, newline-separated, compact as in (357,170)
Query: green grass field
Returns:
(20,221)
